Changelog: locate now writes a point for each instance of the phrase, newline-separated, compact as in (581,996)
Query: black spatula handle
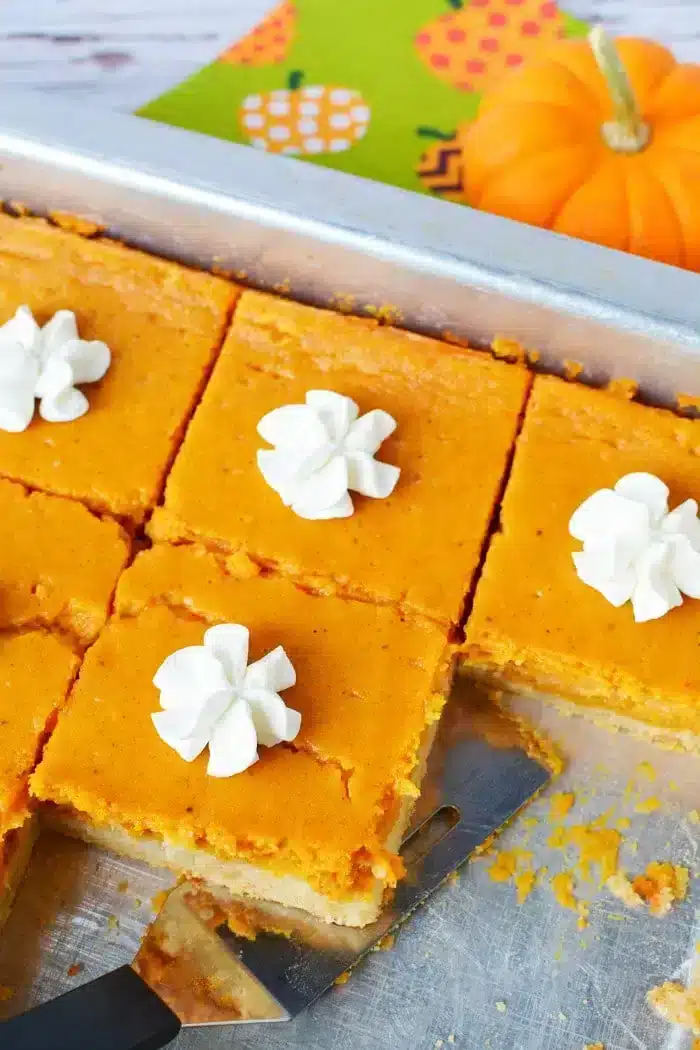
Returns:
(116,1012)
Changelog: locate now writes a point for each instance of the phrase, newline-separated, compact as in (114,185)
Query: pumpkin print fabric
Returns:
(304,121)
(379,89)
(473,44)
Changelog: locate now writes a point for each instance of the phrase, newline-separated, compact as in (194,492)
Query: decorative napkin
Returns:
(373,87)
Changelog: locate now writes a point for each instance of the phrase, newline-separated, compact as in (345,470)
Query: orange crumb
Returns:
(386,943)
(624,823)
(560,804)
(122,886)
(677,1004)
(594,1046)
(572,369)
(583,912)
(508,349)
(343,302)
(506,863)
(621,887)
(343,979)
(686,401)
(563,889)
(599,846)
(623,388)
(75,223)
(385,313)
(75,969)
(222,271)
(648,805)
(533,357)
(524,885)
(661,884)
(659,887)
(504,866)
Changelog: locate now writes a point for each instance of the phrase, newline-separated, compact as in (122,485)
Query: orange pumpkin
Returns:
(595,143)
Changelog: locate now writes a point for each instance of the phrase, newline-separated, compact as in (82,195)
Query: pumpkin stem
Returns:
(295,79)
(628,132)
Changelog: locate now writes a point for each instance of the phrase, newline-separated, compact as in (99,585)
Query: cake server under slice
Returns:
(470,790)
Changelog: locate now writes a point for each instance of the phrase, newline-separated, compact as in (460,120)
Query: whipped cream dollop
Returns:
(211,697)
(322,450)
(635,550)
(46,364)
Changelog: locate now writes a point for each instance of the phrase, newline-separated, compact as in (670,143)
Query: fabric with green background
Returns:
(377,88)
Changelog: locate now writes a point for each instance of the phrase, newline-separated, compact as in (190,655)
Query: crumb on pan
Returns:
(78,224)
(677,1004)
(623,388)
(572,369)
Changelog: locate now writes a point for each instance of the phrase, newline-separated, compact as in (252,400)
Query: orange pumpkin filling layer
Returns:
(58,563)
(326,810)
(163,325)
(534,622)
(36,671)
(457,412)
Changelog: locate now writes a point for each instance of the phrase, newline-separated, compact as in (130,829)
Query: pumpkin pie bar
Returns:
(457,412)
(59,563)
(36,671)
(314,824)
(534,623)
(163,324)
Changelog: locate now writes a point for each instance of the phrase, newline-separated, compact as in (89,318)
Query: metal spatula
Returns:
(470,790)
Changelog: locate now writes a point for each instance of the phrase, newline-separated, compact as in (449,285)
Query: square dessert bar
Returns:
(314,824)
(59,563)
(534,622)
(36,671)
(457,413)
(163,325)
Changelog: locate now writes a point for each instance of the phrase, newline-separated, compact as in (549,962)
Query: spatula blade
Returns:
(485,786)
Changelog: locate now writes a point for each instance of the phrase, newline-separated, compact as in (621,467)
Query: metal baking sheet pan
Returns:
(471,969)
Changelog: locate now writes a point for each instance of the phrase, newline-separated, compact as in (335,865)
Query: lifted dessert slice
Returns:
(315,824)
(36,671)
(534,622)
(59,563)
(456,413)
(163,325)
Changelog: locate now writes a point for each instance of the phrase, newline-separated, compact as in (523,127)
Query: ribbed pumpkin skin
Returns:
(536,152)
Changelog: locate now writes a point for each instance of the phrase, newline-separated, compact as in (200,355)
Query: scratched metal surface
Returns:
(471,968)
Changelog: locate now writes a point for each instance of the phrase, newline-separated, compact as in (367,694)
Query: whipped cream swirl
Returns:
(211,697)
(46,364)
(635,550)
(322,450)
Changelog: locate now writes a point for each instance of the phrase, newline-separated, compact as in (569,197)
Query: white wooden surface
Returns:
(124,52)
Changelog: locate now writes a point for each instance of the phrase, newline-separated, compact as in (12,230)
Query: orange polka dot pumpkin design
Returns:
(300,120)
(267,44)
(475,43)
